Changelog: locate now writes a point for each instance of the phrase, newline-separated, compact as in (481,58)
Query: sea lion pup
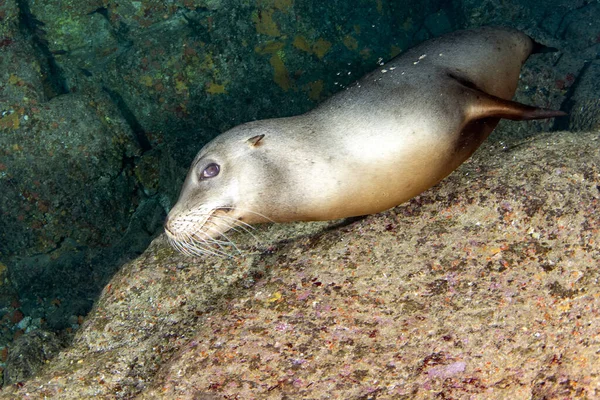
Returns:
(391,135)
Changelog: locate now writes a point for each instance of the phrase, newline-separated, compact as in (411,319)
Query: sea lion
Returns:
(391,135)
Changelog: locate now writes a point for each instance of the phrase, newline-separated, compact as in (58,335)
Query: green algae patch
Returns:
(301,43)
(215,88)
(269,48)
(316,90)
(281,5)
(319,48)
(280,72)
(264,23)
(350,42)
(10,121)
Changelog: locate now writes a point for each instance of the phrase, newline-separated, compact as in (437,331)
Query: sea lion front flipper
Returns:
(485,105)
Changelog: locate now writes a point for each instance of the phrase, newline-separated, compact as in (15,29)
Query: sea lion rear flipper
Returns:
(485,105)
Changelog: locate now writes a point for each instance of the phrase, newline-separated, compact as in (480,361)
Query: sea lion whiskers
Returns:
(214,224)
(209,240)
(231,223)
(175,243)
(236,226)
(194,248)
(199,243)
(244,225)
(239,222)
(206,241)
(186,246)
(219,223)
(179,242)
(226,242)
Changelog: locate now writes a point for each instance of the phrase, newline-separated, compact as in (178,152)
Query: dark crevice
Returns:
(120,29)
(568,103)
(557,60)
(86,72)
(102,11)
(127,163)
(194,21)
(539,48)
(130,118)
(59,244)
(345,222)
(53,79)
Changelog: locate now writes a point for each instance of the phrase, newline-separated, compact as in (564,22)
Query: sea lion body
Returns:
(391,135)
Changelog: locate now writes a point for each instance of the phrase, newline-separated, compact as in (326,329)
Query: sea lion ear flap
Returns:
(255,141)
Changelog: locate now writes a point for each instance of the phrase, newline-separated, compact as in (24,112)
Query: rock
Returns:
(28,354)
(584,115)
(485,285)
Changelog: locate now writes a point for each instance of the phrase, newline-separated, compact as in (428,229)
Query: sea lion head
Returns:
(211,200)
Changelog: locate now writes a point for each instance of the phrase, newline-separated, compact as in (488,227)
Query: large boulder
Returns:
(485,285)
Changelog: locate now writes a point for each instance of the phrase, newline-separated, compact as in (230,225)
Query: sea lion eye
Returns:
(210,171)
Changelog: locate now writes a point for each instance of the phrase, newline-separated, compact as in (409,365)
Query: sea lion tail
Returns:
(488,106)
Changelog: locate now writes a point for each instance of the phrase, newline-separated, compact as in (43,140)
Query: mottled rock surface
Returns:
(29,353)
(484,286)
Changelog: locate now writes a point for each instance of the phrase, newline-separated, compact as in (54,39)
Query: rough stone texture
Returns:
(63,165)
(29,353)
(69,191)
(586,97)
(484,286)
(66,189)
(578,69)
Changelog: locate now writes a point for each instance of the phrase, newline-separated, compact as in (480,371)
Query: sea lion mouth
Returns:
(200,232)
